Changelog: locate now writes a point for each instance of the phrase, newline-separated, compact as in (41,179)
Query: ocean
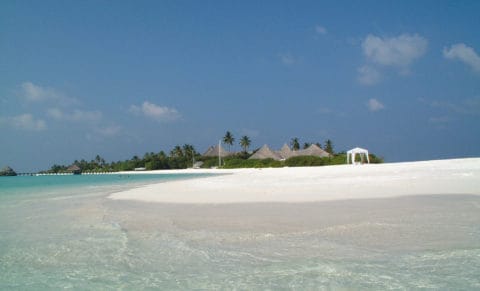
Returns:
(62,232)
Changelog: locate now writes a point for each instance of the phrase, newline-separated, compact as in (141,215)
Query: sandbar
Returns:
(314,184)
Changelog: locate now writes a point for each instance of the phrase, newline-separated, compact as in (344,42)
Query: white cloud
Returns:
(368,75)
(398,51)
(469,106)
(55,113)
(288,59)
(35,93)
(156,112)
(25,122)
(325,110)
(75,116)
(320,29)
(108,131)
(463,53)
(374,105)
(85,116)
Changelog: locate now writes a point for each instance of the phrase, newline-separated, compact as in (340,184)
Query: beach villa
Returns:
(74,169)
(265,152)
(215,151)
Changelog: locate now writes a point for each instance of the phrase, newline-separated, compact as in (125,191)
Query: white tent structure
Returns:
(363,153)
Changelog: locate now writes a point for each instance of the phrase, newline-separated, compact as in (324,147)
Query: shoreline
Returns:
(313,184)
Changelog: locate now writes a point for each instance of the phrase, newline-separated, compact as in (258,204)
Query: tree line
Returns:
(245,142)
(182,157)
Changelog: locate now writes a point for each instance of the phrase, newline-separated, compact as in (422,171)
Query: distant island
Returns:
(7,171)
(186,156)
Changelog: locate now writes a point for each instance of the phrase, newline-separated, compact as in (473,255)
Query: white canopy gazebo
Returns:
(363,153)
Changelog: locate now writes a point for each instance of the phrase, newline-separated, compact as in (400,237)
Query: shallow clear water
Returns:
(74,237)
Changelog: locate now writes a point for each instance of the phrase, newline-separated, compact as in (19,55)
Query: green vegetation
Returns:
(304,161)
(7,171)
(182,157)
(239,161)
(179,158)
(295,144)
(245,143)
(234,163)
(228,139)
(329,147)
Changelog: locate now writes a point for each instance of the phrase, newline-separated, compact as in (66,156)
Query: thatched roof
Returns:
(312,150)
(73,168)
(265,153)
(285,152)
(213,152)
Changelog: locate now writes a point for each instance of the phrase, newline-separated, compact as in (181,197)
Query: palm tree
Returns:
(329,146)
(295,144)
(177,152)
(98,160)
(228,139)
(189,152)
(245,143)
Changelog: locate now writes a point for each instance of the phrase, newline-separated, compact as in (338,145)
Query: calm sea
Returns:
(62,232)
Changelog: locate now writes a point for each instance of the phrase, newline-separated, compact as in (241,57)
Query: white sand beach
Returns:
(316,184)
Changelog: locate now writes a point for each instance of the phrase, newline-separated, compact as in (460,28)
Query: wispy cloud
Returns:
(325,110)
(463,53)
(470,106)
(155,112)
(24,122)
(398,51)
(320,29)
(108,131)
(374,105)
(439,120)
(75,116)
(288,59)
(368,75)
(36,93)
(101,133)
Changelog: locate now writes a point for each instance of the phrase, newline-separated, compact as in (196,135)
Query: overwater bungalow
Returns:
(74,169)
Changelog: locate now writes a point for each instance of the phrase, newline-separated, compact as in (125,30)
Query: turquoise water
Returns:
(64,233)
(25,185)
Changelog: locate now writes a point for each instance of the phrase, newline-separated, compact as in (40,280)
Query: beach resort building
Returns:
(285,152)
(74,169)
(215,151)
(265,152)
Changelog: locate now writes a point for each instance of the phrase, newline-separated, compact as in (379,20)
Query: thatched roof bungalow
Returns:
(74,169)
(285,152)
(312,150)
(214,151)
(265,153)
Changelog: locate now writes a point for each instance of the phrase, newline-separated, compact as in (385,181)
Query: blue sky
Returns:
(121,78)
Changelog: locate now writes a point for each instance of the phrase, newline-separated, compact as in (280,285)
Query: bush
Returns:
(241,163)
(304,161)
(337,160)
(374,159)
(209,162)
